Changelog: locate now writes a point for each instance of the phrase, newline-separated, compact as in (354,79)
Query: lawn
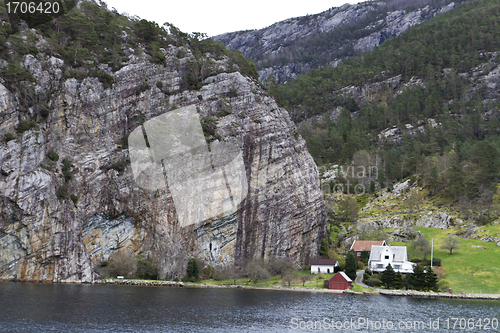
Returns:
(358,288)
(273,282)
(469,269)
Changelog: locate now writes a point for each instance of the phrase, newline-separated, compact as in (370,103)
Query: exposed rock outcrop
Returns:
(44,236)
(280,40)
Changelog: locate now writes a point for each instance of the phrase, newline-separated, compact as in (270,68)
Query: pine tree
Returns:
(365,256)
(398,281)
(372,186)
(388,277)
(434,179)
(323,250)
(193,269)
(431,280)
(351,264)
(416,280)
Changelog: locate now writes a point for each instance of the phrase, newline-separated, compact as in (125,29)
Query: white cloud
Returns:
(216,17)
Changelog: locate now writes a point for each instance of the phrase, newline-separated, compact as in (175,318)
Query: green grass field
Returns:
(469,269)
(274,281)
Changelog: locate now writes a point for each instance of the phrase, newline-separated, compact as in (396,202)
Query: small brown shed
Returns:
(339,281)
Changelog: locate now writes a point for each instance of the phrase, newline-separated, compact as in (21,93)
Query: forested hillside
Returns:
(291,47)
(424,103)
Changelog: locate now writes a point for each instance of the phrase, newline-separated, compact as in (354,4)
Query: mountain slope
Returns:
(72,91)
(289,48)
(424,104)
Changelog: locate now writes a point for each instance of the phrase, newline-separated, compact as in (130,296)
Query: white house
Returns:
(323,266)
(381,256)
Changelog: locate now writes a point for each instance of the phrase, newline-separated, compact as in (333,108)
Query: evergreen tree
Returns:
(398,281)
(388,277)
(431,280)
(434,179)
(365,256)
(416,280)
(193,269)
(323,250)
(351,264)
(372,186)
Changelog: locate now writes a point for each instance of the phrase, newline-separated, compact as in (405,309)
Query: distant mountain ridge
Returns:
(291,47)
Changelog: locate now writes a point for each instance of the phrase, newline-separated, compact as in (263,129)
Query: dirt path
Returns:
(359,279)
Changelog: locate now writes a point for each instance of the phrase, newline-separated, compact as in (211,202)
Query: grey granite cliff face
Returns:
(43,237)
(275,52)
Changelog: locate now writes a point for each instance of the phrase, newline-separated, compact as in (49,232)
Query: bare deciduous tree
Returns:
(232,272)
(256,272)
(347,209)
(421,245)
(290,276)
(412,204)
(305,278)
(122,263)
(281,266)
(451,243)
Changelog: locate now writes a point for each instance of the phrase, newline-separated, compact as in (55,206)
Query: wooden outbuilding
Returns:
(323,266)
(339,281)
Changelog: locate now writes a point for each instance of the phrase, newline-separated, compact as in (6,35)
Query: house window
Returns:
(380,266)
(328,270)
(397,266)
(386,257)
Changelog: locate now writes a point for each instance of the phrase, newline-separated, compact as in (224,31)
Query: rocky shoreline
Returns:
(142,283)
(383,292)
(421,294)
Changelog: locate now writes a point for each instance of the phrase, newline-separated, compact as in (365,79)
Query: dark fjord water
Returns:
(105,308)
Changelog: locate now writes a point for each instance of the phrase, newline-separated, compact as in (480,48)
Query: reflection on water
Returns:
(85,308)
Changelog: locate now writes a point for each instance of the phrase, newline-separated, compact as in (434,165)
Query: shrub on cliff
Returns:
(63,192)
(66,169)
(8,137)
(53,156)
(74,198)
(25,126)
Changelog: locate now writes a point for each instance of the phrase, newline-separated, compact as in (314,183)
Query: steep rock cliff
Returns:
(46,236)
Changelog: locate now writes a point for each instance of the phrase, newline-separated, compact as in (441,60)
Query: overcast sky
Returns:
(219,16)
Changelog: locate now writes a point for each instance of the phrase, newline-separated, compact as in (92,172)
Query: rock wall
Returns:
(44,237)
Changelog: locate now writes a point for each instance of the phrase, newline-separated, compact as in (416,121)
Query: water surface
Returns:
(26,307)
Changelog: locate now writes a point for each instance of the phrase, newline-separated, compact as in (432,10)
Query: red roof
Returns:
(340,276)
(361,245)
(329,262)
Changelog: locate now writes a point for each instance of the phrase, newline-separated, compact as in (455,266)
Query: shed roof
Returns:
(344,275)
(328,262)
(362,245)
